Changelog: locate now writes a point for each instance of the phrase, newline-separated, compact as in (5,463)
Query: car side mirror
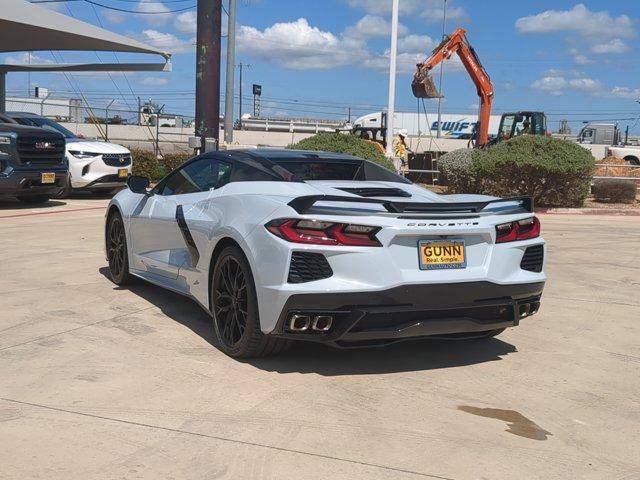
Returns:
(138,184)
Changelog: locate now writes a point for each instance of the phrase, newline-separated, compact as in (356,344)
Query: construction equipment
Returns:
(423,85)
(511,124)
(518,123)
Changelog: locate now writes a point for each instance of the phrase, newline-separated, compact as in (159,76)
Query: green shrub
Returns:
(342,143)
(171,161)
(456,171)
(146,164)
(556,173)
(615,190)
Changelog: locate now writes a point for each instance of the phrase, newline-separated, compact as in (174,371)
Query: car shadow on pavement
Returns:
(7,203)
(308,357)
(407,356)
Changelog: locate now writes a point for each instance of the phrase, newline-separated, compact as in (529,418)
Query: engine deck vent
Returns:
(377,192)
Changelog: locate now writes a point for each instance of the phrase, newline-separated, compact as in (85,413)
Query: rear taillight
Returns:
(315,232)
(519,230)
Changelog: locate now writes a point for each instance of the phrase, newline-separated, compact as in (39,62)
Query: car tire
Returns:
(117,252)
(234,307)
(34,198)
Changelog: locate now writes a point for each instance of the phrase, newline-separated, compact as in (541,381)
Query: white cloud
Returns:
(586,84)
(556,83)
(579,57)
(377,7)
(433,11)
(412,49)
(625,92)
(113,16)
(298,45)
(550,84)
(156,13)
(422,44)
(154,81)
(186,22)
(612,46)
(167,41)
(429,10)
(23,59)
(580,20)
(372,26)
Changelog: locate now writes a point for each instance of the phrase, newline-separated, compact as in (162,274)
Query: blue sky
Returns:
(316,58)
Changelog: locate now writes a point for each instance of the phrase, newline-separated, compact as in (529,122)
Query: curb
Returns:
(631,212)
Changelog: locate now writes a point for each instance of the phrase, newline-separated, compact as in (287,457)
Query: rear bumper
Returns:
(412,311)
(28,182)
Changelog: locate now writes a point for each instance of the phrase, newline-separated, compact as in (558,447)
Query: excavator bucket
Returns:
(423,86)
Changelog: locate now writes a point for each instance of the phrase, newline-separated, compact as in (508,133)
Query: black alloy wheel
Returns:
(231,309)
(234,306)
(117,250)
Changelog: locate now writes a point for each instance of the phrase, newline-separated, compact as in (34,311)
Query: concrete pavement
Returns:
(98,381)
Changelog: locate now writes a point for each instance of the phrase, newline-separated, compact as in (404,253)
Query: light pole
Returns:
(231,52)
(392,78)
(444,26)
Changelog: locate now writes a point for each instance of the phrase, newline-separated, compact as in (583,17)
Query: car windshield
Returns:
(47,124)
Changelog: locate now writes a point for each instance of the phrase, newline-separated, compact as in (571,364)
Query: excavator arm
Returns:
(423,85)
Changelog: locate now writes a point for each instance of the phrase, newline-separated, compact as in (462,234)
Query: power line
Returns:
(92,2)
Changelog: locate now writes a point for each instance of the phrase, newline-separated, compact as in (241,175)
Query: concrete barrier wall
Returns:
(174,139)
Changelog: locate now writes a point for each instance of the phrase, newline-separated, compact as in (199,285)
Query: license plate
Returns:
(48,178)
(441,254)
(123,172)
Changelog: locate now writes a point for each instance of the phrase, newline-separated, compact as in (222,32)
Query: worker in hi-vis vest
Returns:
(400,149)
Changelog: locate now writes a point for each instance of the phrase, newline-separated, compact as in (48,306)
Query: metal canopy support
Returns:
(77,67)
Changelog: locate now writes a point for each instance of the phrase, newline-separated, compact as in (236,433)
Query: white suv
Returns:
(93,165)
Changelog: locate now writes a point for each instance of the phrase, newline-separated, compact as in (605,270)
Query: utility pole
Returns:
(208,71)
(392,78)
(231,53)
(241,66)
(444,26)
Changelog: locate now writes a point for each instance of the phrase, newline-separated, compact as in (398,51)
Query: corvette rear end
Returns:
(373,270)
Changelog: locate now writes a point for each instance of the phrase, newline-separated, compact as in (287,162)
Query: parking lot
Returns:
(98,381)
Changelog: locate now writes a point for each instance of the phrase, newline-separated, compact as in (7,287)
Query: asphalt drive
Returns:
(98,381)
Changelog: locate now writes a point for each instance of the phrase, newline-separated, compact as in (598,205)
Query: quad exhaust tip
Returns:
(322,323)
(528,309)
(299,323)
(302,323)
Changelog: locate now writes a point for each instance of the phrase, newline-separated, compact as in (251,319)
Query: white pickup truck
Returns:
(632,154)
(608,134)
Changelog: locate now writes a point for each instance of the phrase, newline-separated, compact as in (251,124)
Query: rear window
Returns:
(322,170)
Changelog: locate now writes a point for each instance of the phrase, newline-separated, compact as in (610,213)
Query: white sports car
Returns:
(281,244)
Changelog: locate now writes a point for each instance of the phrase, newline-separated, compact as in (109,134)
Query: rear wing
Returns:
(303,204)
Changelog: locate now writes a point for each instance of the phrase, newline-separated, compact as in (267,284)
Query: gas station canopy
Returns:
(26,27)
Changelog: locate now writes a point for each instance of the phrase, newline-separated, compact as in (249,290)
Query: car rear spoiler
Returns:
(303,204)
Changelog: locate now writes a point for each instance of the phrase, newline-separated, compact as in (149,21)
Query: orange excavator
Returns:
(423,85)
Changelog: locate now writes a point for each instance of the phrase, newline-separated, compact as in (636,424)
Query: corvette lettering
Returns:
(443,224)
